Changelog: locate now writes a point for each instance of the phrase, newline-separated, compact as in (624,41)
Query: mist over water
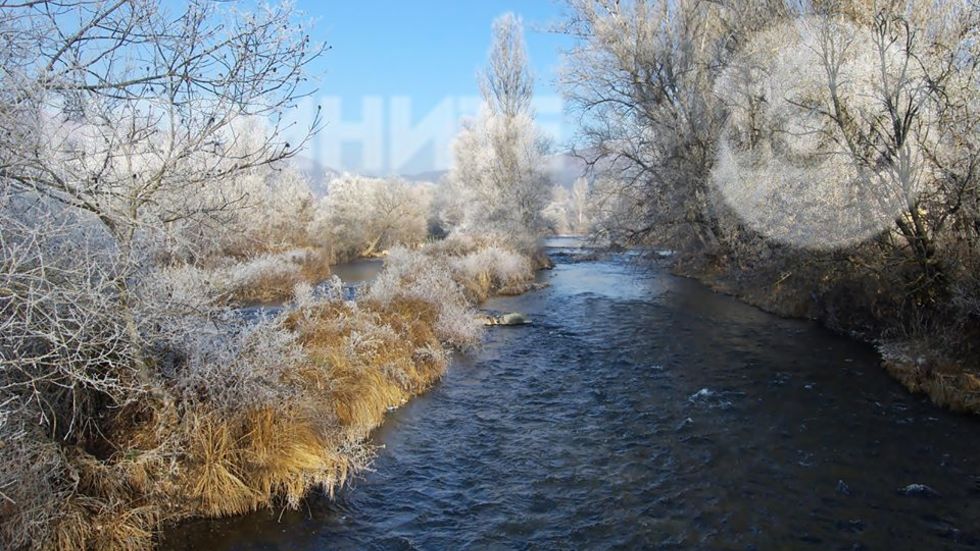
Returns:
(641,410)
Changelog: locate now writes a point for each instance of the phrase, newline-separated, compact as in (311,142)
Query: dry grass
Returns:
(272,277)
(359,361)
(90,523)
(245,463)
(493,270)
(428,277)
(372,356)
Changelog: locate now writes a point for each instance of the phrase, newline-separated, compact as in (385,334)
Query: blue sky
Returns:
(426,53)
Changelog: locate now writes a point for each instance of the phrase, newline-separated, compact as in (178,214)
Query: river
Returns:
(642,410)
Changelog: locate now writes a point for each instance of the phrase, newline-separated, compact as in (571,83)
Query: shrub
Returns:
(264,278)
(492,270)
(428,278)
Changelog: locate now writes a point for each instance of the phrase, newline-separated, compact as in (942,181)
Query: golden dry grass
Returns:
(947,386)
(374,356)
(917,365)
(110,507)
(477,289)
(278,286)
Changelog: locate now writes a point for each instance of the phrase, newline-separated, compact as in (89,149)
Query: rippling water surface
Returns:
(641,410)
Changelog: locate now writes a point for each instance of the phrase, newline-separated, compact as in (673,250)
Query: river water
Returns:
(641,410)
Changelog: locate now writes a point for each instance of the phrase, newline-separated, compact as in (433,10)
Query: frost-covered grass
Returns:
(264,278)
(246,416)
(233,416)
(274,276)
(418,276)
(457,274)
(493,270)
(922,368)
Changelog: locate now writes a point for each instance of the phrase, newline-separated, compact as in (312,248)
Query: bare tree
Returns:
(131,103)
(739,131)
(124,125)
(863,132)
(641,80)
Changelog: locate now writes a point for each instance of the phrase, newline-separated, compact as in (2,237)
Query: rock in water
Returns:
(513,318)
(918,490)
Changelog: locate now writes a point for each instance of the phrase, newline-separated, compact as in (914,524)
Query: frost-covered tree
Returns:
(641,79)
(556,211)
(362,216)
(569,210)
(129,114)
(741,131)
(128,110)
(130,134)
(273,210)
(277,209)
(860,126)
(281,210)
(578,207)
(498,169)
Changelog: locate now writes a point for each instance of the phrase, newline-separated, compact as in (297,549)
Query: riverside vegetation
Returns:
(146,191)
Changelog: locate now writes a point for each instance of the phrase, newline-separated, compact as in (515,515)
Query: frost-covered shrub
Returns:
(500,266)
(417,275)
(303,294)
(490,270)
(234,365)
(263,278)
(456,243)
(270,276)
(363,216)
(59,316)
(261,267)
(181,289)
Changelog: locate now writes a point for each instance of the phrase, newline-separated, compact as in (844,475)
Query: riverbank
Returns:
(250,414)
(921,366)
